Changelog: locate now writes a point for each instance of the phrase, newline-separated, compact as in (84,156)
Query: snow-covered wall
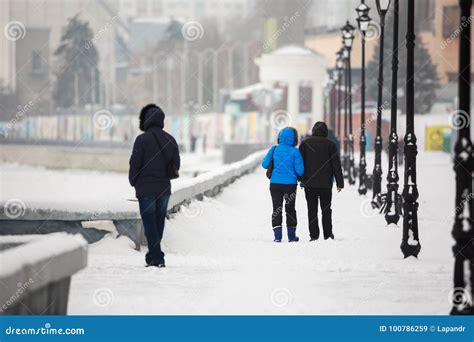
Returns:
(36,272)
(98,197)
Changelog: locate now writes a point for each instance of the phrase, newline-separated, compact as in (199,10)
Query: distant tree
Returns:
(77,61)
(426,78)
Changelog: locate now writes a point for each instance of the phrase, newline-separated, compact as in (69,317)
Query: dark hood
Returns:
(153,116)
(320,129)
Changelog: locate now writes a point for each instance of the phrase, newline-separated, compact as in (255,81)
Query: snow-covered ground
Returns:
(221,259)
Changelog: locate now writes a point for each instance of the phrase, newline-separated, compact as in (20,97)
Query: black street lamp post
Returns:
(337,98)
(348,39)
(332,108)
(345,157)
(410,241)
(327,115)
(363,21)
(392,200)
(463,165)
(382,8)
(338,75)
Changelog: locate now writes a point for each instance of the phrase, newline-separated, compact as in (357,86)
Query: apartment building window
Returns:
(36,62)
(450,20)
(305,98)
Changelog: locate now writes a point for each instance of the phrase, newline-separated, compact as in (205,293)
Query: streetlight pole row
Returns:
(463,231)
(410,245)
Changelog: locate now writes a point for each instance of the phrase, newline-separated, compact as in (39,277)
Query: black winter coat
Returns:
(148,163)
(321,160)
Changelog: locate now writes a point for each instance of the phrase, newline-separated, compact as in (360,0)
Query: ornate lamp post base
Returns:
(392,200)
(362,166)
(345,158)
(410,250)
(351,166)
(410,242)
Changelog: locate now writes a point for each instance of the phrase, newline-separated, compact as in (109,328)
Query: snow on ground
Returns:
(84,190)
(221,259)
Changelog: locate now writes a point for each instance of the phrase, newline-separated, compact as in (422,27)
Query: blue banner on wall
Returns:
(237,328)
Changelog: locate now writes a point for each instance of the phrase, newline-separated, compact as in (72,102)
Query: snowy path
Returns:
(221,259)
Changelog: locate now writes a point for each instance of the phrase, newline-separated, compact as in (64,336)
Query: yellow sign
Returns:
(435,137)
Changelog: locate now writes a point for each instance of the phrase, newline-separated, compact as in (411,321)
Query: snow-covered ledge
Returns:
(36,272)
(85,212)
(126,209)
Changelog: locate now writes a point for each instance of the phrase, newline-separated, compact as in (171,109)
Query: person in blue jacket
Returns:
(287,167)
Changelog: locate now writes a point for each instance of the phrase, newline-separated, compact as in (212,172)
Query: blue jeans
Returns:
(153,212)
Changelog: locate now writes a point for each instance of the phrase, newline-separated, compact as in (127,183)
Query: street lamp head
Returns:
(363,19)
(363,22)
(382,6)
(362,9)
(347,34)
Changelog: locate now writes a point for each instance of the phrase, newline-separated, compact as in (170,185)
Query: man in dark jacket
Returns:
(321,165)
(152,152)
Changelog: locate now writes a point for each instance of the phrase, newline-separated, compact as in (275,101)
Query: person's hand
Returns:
(339,189)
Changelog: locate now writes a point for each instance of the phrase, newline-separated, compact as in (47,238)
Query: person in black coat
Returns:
(322,165)
(152,152)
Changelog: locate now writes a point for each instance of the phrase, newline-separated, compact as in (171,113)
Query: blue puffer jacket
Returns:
(287,161)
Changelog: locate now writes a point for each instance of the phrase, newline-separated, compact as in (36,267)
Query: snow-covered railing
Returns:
(36,272)
(210,183)
(122,211)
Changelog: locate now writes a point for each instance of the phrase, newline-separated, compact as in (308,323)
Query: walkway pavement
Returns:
(221,259)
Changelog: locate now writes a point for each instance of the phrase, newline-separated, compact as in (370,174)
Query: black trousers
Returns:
(153,212)
(313,195)
(286,193)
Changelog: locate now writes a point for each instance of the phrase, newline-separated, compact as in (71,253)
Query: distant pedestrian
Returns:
(154,161)
(322,166)
(284,165)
